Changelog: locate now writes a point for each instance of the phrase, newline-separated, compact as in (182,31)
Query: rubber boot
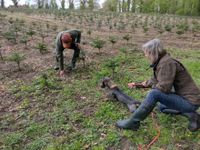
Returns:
(71,66)
(166,110)
(133,123)
(194,121)
(171,111)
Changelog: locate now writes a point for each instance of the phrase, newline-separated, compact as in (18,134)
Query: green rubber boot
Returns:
(133,123)
(194,121)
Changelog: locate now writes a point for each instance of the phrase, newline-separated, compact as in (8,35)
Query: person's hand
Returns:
(62,74)
(78,45)
(137,85)
(132,85)
(144,83)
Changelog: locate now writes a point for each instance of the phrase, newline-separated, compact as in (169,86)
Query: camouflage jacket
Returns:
(76,37)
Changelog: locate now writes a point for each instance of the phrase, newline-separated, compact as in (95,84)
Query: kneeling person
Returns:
(69,39)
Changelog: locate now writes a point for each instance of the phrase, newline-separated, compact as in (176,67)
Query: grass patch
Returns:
(75,114)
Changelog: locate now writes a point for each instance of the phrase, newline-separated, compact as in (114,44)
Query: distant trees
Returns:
(71,4)
(15,2)
(53,4)
(41,3)
(181,7)
(91,4)
(62,4)
(2,4)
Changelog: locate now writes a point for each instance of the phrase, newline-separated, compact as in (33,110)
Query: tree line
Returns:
(64,4)
(179,7)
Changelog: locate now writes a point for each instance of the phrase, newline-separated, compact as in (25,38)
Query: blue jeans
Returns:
(169,101)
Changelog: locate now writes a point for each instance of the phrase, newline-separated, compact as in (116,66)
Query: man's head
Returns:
(66,39)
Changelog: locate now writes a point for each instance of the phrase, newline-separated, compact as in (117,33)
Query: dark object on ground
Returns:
(116,93)
(194,121)
(56,67)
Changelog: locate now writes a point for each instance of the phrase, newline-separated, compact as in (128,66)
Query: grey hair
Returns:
(153,49)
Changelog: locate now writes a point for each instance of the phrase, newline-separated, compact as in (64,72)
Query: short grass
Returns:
(74,114)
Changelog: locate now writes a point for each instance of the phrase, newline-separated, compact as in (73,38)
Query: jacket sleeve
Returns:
(61,60)
(59,53)
(78,40)
(151,82)
(165,76)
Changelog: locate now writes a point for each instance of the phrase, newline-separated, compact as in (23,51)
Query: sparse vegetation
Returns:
(112,64)
(18,58)
(40,110)
(98,43)
(113,40)
(42,48)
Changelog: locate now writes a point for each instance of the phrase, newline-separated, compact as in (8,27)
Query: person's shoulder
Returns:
(167,60)
(76,30)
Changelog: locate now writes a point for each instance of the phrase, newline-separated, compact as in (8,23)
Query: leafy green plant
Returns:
(124,51)
(43,82)
(16,28)
(113,40)
(99,24)
(42,48)
(98,43)
(181,28)
(180,32)
(121,26)
(168,28)
(12,140)
(43,35)
(11,20)
(127,37)
(16,57)
(89,32)
(195,27)
(10,36)
(30,33)
(145,28)
(24,40)
(112,64)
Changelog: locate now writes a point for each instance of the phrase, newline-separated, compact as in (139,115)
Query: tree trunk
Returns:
(2,4)
(123,6)
(15,2)
(128,5)
(18,64)
(119,6)
(133,6)
(71,4)
(62,4)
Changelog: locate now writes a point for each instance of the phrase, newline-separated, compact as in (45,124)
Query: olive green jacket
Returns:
(171,74)
(76,38)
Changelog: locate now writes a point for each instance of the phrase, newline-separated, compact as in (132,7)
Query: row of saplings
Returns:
(96,43)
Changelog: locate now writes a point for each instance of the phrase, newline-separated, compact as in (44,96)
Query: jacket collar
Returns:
(154,65)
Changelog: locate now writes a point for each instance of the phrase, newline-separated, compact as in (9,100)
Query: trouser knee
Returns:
(154,94)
